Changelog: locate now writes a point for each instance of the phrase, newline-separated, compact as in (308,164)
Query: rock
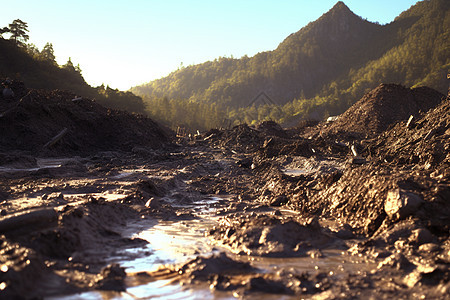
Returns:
(400,204)
(153,203)
(8,93)
(397,261)
(111,278)
(429,247)
(279,201)
(421,236)
(358,160)
(245,162)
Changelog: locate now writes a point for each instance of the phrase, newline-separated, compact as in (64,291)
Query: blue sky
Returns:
(126,43)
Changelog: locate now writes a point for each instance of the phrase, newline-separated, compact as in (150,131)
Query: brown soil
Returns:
(35,117)
(378,109)
(374,224)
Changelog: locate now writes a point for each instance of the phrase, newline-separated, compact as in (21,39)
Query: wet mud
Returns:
(248,212)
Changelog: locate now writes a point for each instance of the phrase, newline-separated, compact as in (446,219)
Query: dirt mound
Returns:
(33,122)
(271,128)
(241,138)
(381,107)
(272,236)
(425,142)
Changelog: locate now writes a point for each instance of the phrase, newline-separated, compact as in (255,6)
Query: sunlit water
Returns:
(178,242)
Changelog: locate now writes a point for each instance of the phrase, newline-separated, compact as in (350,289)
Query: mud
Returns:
(249,212)
(378,109)
(32,120)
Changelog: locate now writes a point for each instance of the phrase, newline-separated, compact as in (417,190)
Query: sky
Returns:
(128,43)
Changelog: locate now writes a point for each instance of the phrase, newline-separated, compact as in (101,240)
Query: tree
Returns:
(33,50)
(48,53)
(3,30)
(69,65)
(19,29)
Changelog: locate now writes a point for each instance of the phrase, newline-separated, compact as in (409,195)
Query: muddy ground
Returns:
(310,212)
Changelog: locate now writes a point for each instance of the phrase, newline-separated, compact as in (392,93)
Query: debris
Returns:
(354,151)
(56,139)
(332,119)
(410,121)
(400,204)
(77,99)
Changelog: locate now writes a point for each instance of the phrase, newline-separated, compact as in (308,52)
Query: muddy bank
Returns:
(63,226)
(61,123)
(252,212)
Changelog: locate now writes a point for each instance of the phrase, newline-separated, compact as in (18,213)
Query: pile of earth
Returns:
(59,122)
(241,138)
(405,174)
(378,109)
(425,142)
(268,139)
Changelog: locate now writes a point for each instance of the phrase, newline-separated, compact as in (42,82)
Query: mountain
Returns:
(19,63)
(325,66)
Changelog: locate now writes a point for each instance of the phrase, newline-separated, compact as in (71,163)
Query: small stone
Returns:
(400,204)
(314,253)
(397,261)
(153,203)
(421,236)
(429,247)
(279,201)
(245,163)
(358,160)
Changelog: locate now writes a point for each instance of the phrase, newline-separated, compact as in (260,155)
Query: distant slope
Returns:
(331,62)
(16,63)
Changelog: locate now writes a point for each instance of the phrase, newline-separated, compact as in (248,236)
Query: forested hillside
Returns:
(39,70)
(318,71)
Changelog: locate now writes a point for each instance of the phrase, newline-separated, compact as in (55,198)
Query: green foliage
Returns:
(48,53)
(38,69)
(117,99)
(320,70)
(191,115)
(18,30)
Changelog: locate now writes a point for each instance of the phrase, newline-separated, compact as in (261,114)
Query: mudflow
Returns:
(354,208)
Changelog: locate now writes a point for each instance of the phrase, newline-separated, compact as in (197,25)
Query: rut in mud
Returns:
(312,212)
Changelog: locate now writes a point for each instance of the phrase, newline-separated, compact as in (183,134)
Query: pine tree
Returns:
(18,30)
(48,53)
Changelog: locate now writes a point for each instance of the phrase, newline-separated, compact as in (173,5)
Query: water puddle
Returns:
(177,242)
(130,172)
(42,163)
(294,172)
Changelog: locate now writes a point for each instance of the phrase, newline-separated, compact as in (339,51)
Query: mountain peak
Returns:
(340,5)
(340,8)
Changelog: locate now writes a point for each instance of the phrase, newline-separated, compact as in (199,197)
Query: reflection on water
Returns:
(176,242)
(294,172)
(160,289)
(173,241)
